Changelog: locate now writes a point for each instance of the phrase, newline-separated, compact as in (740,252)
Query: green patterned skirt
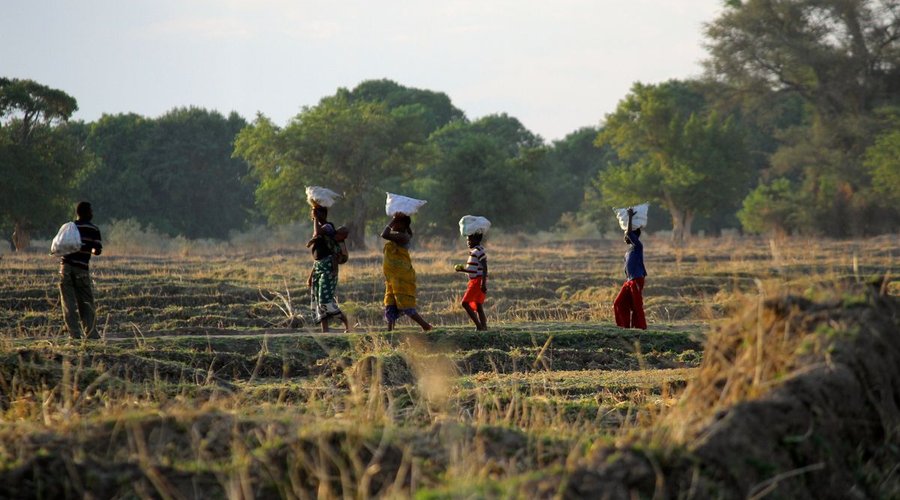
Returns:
(324,282)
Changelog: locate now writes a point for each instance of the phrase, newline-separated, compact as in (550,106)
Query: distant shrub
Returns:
(128,237)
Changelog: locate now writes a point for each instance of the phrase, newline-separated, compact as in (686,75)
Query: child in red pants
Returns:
(629,304)
(477,269)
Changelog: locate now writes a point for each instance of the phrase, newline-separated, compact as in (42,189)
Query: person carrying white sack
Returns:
(476,267)
(399,275)
(628,306)
(325,246)
(75,288)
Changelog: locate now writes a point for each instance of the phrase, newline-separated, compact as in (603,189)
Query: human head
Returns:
(474,239)
(341,233)
(401,223)
(83,211)
(319,213)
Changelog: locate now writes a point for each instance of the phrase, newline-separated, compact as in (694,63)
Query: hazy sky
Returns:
(557,65)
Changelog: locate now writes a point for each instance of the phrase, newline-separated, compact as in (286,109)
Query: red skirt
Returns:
(474,295)
(629,305)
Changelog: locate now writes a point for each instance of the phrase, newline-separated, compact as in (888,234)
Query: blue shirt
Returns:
(634,258)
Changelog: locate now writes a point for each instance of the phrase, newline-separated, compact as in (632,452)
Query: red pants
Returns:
(629,305)
(474,296)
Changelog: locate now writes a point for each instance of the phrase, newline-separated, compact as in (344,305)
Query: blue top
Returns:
(634,258)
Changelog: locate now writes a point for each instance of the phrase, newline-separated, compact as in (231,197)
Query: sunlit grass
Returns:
(198,383)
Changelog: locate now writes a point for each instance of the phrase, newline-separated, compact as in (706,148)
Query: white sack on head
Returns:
(638,221)
(67,240)
(473,224)
(398,204)
(317,195)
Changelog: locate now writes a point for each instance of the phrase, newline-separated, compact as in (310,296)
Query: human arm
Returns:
(326,229)
(485,278)
(98,245)
(630,216)
(401,238)
(309,280)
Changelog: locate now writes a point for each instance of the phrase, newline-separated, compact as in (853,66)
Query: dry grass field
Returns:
(210,383)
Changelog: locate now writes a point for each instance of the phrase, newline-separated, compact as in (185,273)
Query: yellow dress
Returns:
(399,278)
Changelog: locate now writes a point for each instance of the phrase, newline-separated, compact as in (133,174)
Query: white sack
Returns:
(397,204)
(638,221)
(317,195)
(473,224)
(67,240)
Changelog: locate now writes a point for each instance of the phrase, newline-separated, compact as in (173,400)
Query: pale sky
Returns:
(556,65)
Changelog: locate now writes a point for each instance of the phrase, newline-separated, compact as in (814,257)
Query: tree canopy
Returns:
(40,156)
(841,58)
(351,146)
(674,150)
(488,167)
(174,172)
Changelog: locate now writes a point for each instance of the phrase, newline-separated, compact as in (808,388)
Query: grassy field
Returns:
(201,388)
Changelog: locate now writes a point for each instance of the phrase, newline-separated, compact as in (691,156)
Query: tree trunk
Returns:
(686,226)
(357,225)
(21,238)
(677,226)
(682,220)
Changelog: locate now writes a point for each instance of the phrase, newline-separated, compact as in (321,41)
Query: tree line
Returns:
(793,128)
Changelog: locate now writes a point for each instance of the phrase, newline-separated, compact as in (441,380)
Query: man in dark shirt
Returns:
(629,304)
(75,288)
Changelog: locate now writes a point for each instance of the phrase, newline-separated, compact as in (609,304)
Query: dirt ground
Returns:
(826,426)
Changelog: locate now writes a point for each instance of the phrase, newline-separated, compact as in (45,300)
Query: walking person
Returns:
(399,275)
(323,277)
(75,289)
(476,291)
(629,303)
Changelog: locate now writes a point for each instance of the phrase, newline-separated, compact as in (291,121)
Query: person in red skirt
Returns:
(629,304)
(476,292)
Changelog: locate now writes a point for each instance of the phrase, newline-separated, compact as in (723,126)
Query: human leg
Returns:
(84,295)
(482,317)
(69,302)
(418,319)
(472,314)
(472,301)
(622,307)
(391,313)
(324,285)
(638,320)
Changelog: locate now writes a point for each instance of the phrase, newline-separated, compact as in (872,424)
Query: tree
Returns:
(118,184)
(771,208)
(487,167)
(39,156)
(434,108)
(354,147)
(674,151)
(31,106)
(883,163)
(883,160)
(199,187)
(175,172)
(842,58)
(570,165)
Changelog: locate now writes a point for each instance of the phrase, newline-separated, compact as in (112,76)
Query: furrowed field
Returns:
(210,382)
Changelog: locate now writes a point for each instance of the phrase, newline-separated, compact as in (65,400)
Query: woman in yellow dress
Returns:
(399,275)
